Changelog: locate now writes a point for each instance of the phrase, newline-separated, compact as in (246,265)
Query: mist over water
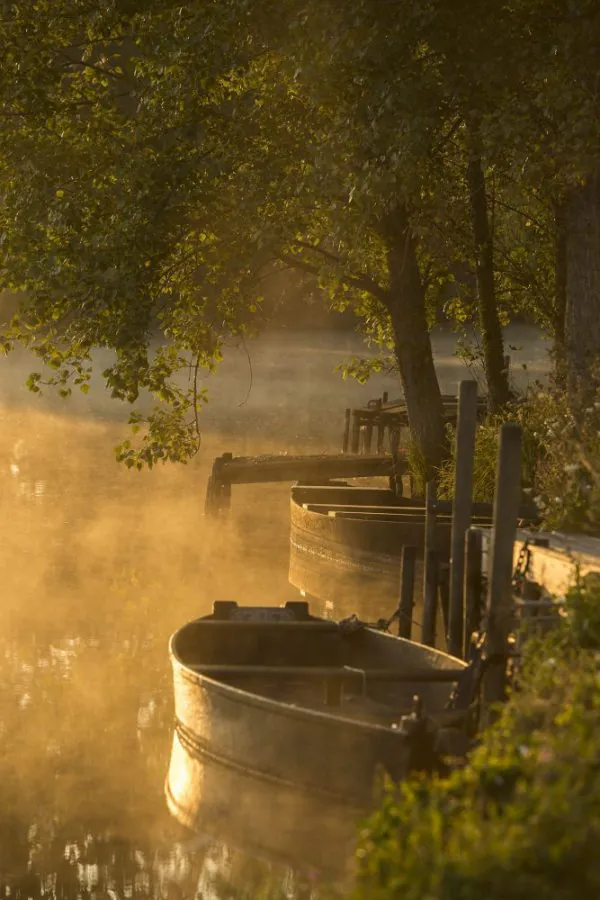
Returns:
(99,566)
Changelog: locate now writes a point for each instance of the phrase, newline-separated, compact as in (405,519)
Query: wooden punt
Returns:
(308,706)
(346,543)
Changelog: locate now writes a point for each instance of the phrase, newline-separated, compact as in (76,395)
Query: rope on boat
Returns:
(353,624)
(386,624)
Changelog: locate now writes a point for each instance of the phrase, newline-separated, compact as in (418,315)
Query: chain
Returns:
(521,569)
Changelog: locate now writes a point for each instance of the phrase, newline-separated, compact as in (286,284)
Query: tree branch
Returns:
(354,279)
(525,215)
(446,138)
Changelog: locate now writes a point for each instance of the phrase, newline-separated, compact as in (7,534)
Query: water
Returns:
(99,565)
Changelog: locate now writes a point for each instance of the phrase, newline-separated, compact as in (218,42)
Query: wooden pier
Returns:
(229,470)
(381,421)
(554,560)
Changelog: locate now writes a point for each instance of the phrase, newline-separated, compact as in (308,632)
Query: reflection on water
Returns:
(83,753)
(99,566)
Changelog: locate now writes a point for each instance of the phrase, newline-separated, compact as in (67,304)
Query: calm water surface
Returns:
(99,565)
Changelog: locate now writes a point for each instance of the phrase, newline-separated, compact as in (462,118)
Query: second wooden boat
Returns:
(346,543)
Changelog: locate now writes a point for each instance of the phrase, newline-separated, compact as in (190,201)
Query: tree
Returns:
(160,163)
(547,118)
(138,153)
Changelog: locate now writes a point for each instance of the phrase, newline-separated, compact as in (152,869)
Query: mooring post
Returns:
(212,503)
(368,441)
(225,484)
(365,439)
(346,441)
(396,479)
(210,498)
(407,586)
(355,440)
(500,603)
(473,584)
(444,592)
(380,428)
(461,510)
(430,580)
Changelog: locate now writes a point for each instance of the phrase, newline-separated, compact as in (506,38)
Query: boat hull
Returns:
(285,737)
(282,745)
(354,563)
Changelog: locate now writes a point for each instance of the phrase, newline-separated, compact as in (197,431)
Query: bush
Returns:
(561,459)
(522,819)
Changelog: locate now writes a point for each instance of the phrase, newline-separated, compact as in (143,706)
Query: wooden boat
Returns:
(346,543)
(311,707)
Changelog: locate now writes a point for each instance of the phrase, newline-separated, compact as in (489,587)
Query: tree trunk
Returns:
(491,330)
(406,305)
(582,319)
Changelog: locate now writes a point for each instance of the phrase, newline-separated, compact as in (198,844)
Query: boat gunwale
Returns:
(303,522)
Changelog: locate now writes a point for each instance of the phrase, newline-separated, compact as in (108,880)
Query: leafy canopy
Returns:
(159,163)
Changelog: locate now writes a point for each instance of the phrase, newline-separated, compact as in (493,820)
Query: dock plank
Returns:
(555,567)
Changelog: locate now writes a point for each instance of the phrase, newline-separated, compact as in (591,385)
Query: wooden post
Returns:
(346,440)
(430,591)
(368,439)
(500,604)
(394,447)
(355,439)
(461,510)
(210,500)
(384,398)
(444,592)
(473,584)
(407,585)
(225,486)
(430,586)
(218,490)
(380,428)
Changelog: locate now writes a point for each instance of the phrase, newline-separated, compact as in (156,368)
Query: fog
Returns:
(100,564)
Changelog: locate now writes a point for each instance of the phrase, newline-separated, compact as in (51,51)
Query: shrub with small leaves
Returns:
(522,819)
(560,458)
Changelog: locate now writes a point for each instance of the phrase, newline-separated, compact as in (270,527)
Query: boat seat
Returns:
(280,626)
(344,673)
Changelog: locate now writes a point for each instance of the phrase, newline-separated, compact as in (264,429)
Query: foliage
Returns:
(486,455)
(522,819)
(560,460)
(417,467)
(362,368)
(162,165)
(584,612)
